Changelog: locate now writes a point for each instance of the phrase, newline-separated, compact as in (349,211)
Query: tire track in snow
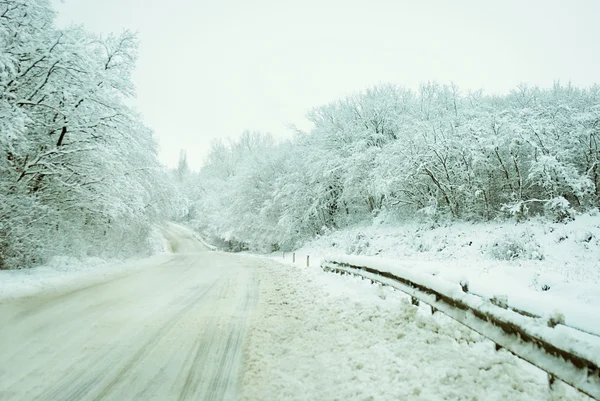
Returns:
(172,332)
(81,382)
(220,380)
(77,382)
(147,347)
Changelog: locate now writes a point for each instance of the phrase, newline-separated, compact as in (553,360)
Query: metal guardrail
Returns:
(203,242)
(206,244)
(527,336)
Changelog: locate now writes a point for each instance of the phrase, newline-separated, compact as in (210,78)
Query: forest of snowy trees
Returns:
(79,173)
(389,153)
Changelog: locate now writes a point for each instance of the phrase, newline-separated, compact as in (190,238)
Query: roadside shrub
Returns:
(520,246)
(359,245)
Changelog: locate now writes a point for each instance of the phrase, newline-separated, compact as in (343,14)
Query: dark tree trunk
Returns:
(63,132)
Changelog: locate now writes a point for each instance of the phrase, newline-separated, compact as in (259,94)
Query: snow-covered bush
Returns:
(560,209)
(510,247)
(359,246)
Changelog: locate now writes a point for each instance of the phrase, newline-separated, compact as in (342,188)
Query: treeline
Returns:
(395,154)
(78,169)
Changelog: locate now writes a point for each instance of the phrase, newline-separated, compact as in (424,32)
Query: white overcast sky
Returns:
(210,69)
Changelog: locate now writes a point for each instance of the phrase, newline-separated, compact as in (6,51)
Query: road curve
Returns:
(172,331)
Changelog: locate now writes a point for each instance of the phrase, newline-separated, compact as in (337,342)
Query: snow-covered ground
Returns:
(62,273)
(538,265)
(164,330)
(321,336)
(66,272)
(311,335)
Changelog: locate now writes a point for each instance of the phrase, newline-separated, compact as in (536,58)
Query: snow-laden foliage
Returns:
(436,153)
(78,169)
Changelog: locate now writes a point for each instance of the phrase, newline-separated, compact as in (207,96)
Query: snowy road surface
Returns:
(172,331)
(210,326)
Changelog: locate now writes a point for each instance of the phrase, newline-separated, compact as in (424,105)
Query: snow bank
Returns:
(65,273)
(576,343)
(318,336)
(547,269)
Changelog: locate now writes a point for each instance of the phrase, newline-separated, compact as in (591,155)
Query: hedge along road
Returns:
(170,331)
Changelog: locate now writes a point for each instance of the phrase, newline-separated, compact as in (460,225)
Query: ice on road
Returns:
(171,331)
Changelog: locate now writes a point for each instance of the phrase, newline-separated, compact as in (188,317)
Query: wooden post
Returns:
(307,260)
(294,257)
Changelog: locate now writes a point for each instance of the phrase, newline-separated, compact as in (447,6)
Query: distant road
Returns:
(173,331)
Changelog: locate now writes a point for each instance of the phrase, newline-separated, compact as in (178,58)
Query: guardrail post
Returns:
(307,260)
(551,381)
(294,257)
(437,298)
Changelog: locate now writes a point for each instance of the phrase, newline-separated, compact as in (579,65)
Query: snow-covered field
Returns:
(326,337)
(538,265)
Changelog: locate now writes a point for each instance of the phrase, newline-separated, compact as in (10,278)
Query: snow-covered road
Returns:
(200,325)
(171,331)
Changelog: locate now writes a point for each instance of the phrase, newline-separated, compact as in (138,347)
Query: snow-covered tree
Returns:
(436,153)
(78,169)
